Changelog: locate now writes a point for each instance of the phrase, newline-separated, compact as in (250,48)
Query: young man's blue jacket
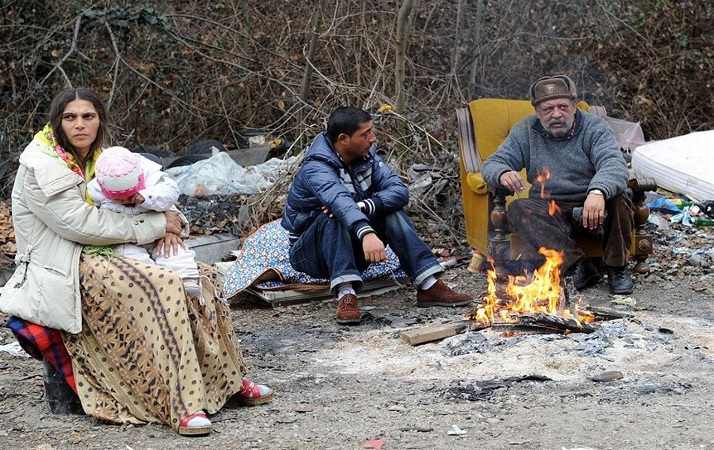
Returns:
(324,180)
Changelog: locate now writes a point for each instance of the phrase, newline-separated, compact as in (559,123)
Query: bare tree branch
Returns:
(72,48)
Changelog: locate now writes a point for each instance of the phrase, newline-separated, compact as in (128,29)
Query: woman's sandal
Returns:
(196,424)
(252,394)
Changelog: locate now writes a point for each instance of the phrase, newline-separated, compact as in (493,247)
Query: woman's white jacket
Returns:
(52,222)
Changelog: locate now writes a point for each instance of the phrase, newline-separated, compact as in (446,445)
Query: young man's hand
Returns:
(373,248)
(594,210)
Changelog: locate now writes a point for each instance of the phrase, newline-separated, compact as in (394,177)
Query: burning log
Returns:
(556,323)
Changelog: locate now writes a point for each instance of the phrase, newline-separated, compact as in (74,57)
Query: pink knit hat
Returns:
(119,173)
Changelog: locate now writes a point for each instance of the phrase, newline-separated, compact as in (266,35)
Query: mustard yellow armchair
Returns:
(483,124)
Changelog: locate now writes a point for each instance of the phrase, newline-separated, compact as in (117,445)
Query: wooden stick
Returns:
(433,333)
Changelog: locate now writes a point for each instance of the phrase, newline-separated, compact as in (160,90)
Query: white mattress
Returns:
(684,164)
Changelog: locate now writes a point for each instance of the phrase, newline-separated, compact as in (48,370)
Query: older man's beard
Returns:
(559,131)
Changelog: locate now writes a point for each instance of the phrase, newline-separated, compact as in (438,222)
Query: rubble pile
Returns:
(215,213)
(680,252)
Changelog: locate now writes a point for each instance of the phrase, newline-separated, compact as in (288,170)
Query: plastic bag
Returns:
(219,174)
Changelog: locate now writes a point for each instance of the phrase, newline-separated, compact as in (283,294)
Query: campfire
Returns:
(535,299)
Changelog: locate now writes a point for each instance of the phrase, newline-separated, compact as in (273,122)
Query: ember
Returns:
(540,294)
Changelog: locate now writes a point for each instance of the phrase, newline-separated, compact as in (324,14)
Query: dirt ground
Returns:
(340,387)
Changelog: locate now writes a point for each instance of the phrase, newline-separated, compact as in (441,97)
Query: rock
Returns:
(623,300)
(455,431)
(698,260)
(303,409)
(397,408)
(647,388)
(286,420)
(605,377)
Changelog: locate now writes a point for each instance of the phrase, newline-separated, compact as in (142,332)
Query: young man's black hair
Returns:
(345,119)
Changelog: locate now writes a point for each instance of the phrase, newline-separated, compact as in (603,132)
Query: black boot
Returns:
(585,274)
(620,280)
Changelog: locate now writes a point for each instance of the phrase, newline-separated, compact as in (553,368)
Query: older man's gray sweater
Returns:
(587,158)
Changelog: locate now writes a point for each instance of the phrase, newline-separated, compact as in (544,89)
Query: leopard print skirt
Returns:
(147,352)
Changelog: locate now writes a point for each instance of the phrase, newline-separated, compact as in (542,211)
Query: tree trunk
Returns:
(476,63)
(402,40)
(307,75)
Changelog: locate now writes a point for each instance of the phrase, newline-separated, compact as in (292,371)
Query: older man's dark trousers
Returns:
(536,228)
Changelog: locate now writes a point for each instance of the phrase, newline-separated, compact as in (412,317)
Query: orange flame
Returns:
(541,178)
(553,208)
(541,292)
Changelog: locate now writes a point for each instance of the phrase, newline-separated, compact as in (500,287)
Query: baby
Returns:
(128,183)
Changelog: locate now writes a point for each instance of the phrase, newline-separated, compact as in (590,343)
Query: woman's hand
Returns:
(173,223)
(168,244)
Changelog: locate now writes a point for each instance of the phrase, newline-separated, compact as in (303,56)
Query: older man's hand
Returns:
(594,210)
(512,180)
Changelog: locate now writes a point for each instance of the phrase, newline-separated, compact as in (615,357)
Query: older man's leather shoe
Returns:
(585,274)
(620,280)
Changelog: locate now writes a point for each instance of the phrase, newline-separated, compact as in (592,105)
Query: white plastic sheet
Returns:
(221,175)
(629,135)
(684,164)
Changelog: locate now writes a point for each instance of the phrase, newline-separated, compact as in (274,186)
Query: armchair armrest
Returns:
(476,183)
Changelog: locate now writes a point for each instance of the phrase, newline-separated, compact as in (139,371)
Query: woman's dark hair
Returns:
(345,119)
(59,103)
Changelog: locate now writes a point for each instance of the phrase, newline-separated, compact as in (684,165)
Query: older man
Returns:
(572,161)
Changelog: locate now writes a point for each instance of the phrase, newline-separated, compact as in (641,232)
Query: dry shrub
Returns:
(179,71)
(662,62)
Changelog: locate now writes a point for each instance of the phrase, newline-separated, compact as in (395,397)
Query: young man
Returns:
(586,170)
(344,206)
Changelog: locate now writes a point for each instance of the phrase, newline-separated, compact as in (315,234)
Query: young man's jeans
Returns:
(327,249)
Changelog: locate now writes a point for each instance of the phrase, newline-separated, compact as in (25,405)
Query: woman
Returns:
(141,349)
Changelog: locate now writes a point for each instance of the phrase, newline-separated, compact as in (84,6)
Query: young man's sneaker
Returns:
(348,312)
(620,280)
(441,295)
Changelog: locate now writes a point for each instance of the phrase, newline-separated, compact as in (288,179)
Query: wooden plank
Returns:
(284,297)
(433,333)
